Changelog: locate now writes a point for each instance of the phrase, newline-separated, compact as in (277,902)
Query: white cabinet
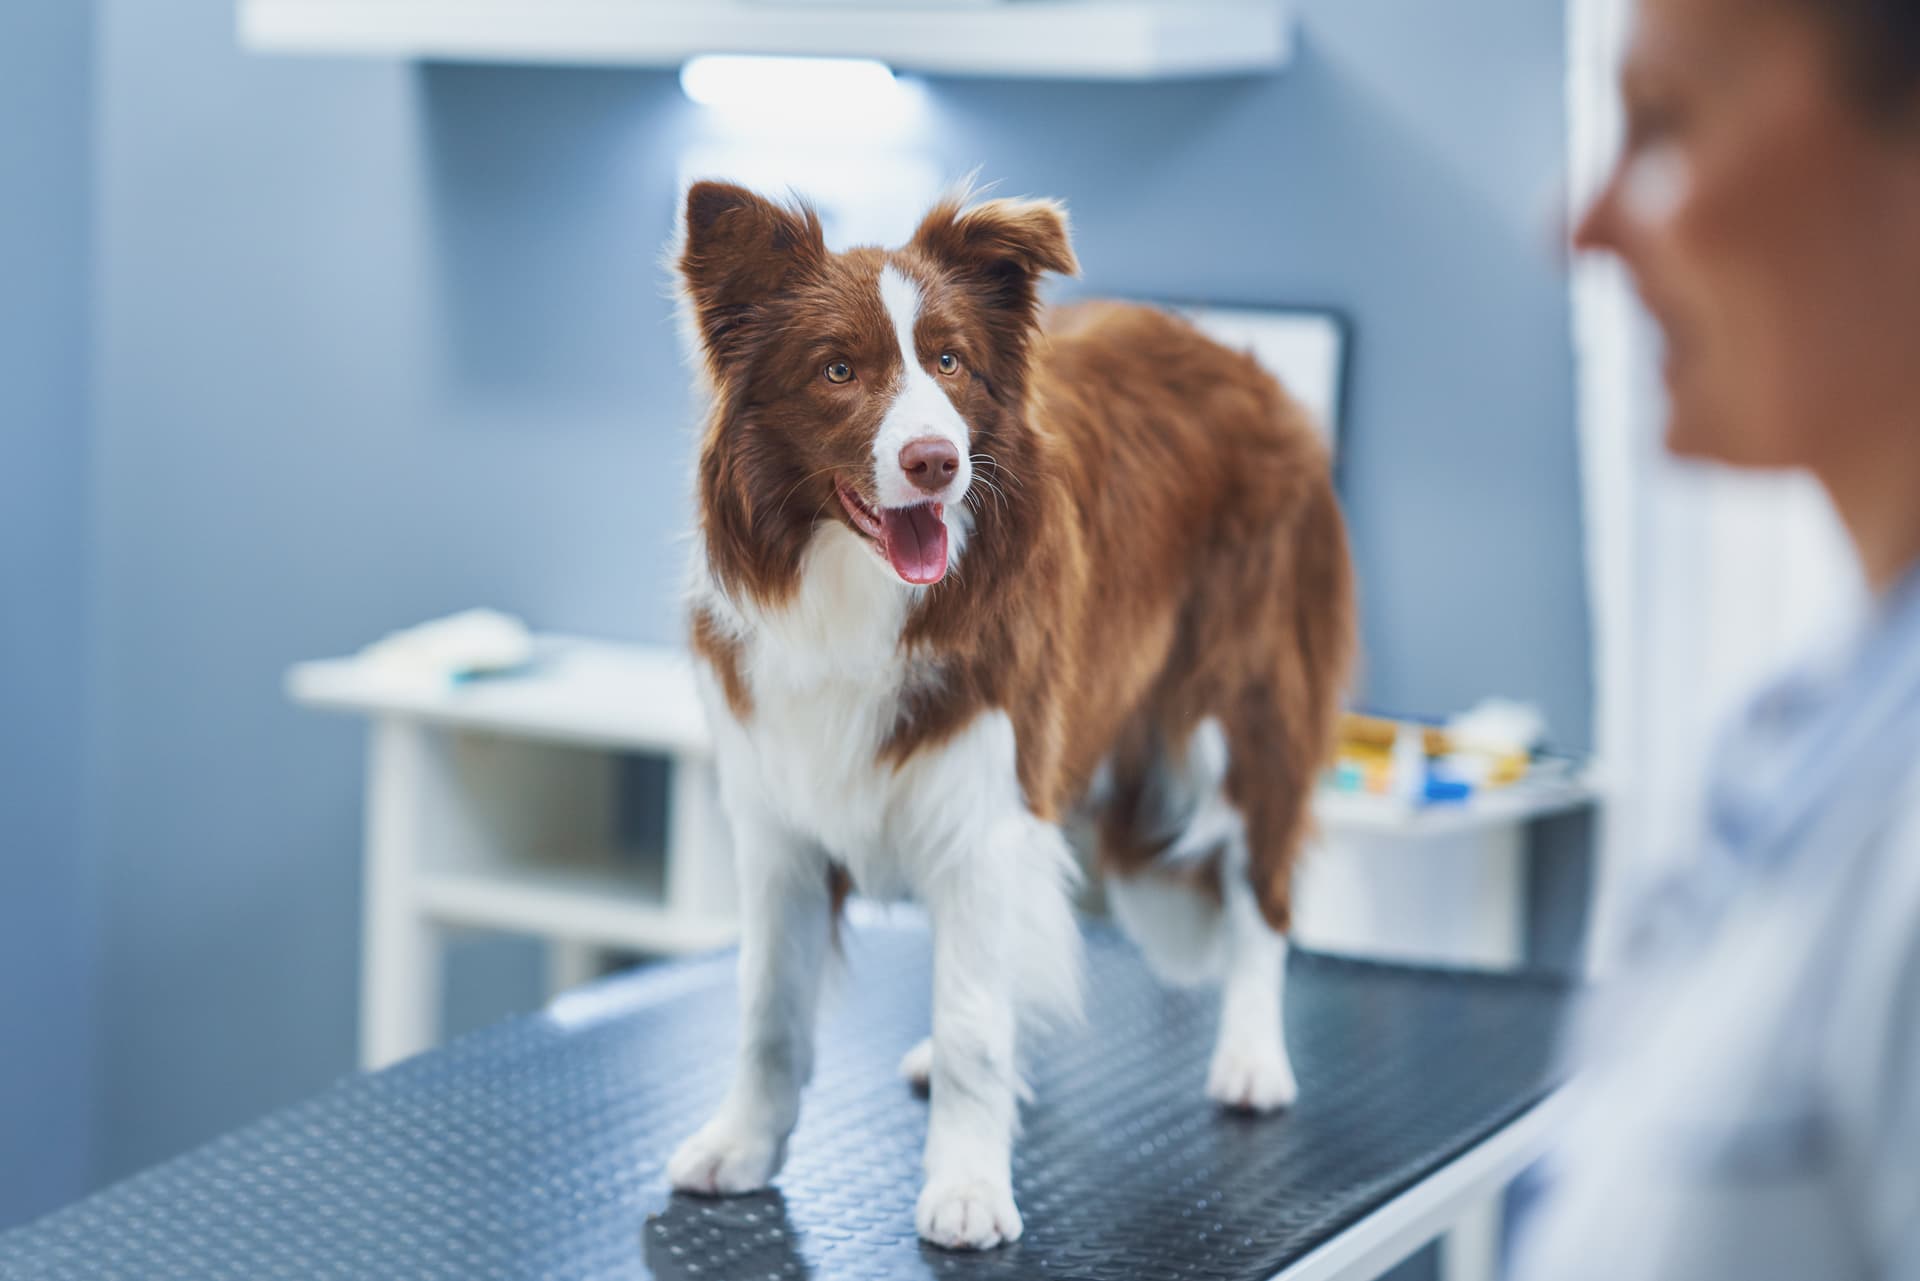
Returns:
(493,805)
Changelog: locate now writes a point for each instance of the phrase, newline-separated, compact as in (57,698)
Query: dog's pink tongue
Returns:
(916,542)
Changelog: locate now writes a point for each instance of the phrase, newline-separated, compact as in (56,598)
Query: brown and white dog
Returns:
(965,570)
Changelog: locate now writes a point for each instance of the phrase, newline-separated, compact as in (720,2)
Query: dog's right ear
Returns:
(738,249)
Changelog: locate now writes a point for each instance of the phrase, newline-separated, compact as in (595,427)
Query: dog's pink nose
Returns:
(930,463)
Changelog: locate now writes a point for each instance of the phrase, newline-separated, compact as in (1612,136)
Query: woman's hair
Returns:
(1879,45)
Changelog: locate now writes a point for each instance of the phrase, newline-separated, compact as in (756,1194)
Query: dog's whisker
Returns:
(1001,471)
(999,494)
(782,506)
(988,461)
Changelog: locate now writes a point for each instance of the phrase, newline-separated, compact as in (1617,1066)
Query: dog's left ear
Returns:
(1006,244)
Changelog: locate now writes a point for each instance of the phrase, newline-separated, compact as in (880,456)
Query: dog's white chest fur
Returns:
(825,675)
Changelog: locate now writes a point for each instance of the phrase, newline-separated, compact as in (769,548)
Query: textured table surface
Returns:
(535,1149)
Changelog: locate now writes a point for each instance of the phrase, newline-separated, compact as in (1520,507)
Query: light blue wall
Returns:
(46,906)
(377,343)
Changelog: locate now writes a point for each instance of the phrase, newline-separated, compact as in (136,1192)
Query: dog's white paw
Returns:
(724,1159)
(1251,1079)
(916,1066)
(967,1214)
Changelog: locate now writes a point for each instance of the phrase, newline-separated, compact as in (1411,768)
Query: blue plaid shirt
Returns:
(1748,1103)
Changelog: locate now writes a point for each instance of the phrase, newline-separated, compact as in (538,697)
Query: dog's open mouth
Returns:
(912,539)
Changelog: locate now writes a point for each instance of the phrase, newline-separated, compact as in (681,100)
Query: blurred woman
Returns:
(1749,1104)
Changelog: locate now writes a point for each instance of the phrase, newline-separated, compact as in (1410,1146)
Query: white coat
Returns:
(1747,1101)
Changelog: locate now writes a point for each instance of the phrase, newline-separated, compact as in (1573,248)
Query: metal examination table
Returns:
(535,1149)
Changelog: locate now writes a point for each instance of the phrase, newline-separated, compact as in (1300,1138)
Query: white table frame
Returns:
(1437,1204)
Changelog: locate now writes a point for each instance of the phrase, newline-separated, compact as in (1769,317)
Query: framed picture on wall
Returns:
(1305,349)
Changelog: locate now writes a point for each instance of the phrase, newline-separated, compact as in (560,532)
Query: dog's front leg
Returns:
(785,928)
(967,1202)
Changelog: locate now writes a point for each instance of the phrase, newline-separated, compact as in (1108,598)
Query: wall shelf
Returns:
(1122,40)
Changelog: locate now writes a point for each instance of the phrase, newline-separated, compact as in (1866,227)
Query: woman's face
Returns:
(1772,226)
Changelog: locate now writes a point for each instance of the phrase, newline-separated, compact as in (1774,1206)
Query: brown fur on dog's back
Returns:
(1154,542)
(1188,559)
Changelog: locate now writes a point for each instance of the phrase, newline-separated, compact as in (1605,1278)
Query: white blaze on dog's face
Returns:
(862,387)
(921,458)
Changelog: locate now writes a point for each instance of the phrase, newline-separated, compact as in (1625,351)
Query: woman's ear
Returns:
(738,249)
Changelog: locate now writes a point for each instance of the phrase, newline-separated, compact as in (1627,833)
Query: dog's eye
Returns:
(839,372)
(949,363)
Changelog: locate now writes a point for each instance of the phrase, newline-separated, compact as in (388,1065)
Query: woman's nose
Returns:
(1595,229)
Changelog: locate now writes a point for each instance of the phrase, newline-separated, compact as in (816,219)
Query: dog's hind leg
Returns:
(1250,1068)
(1178,863)
(1203,926)
(1280,712)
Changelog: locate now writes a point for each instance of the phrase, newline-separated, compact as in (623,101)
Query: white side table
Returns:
(1443,885)
(492,804)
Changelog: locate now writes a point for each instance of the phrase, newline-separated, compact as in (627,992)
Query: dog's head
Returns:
(866,387)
